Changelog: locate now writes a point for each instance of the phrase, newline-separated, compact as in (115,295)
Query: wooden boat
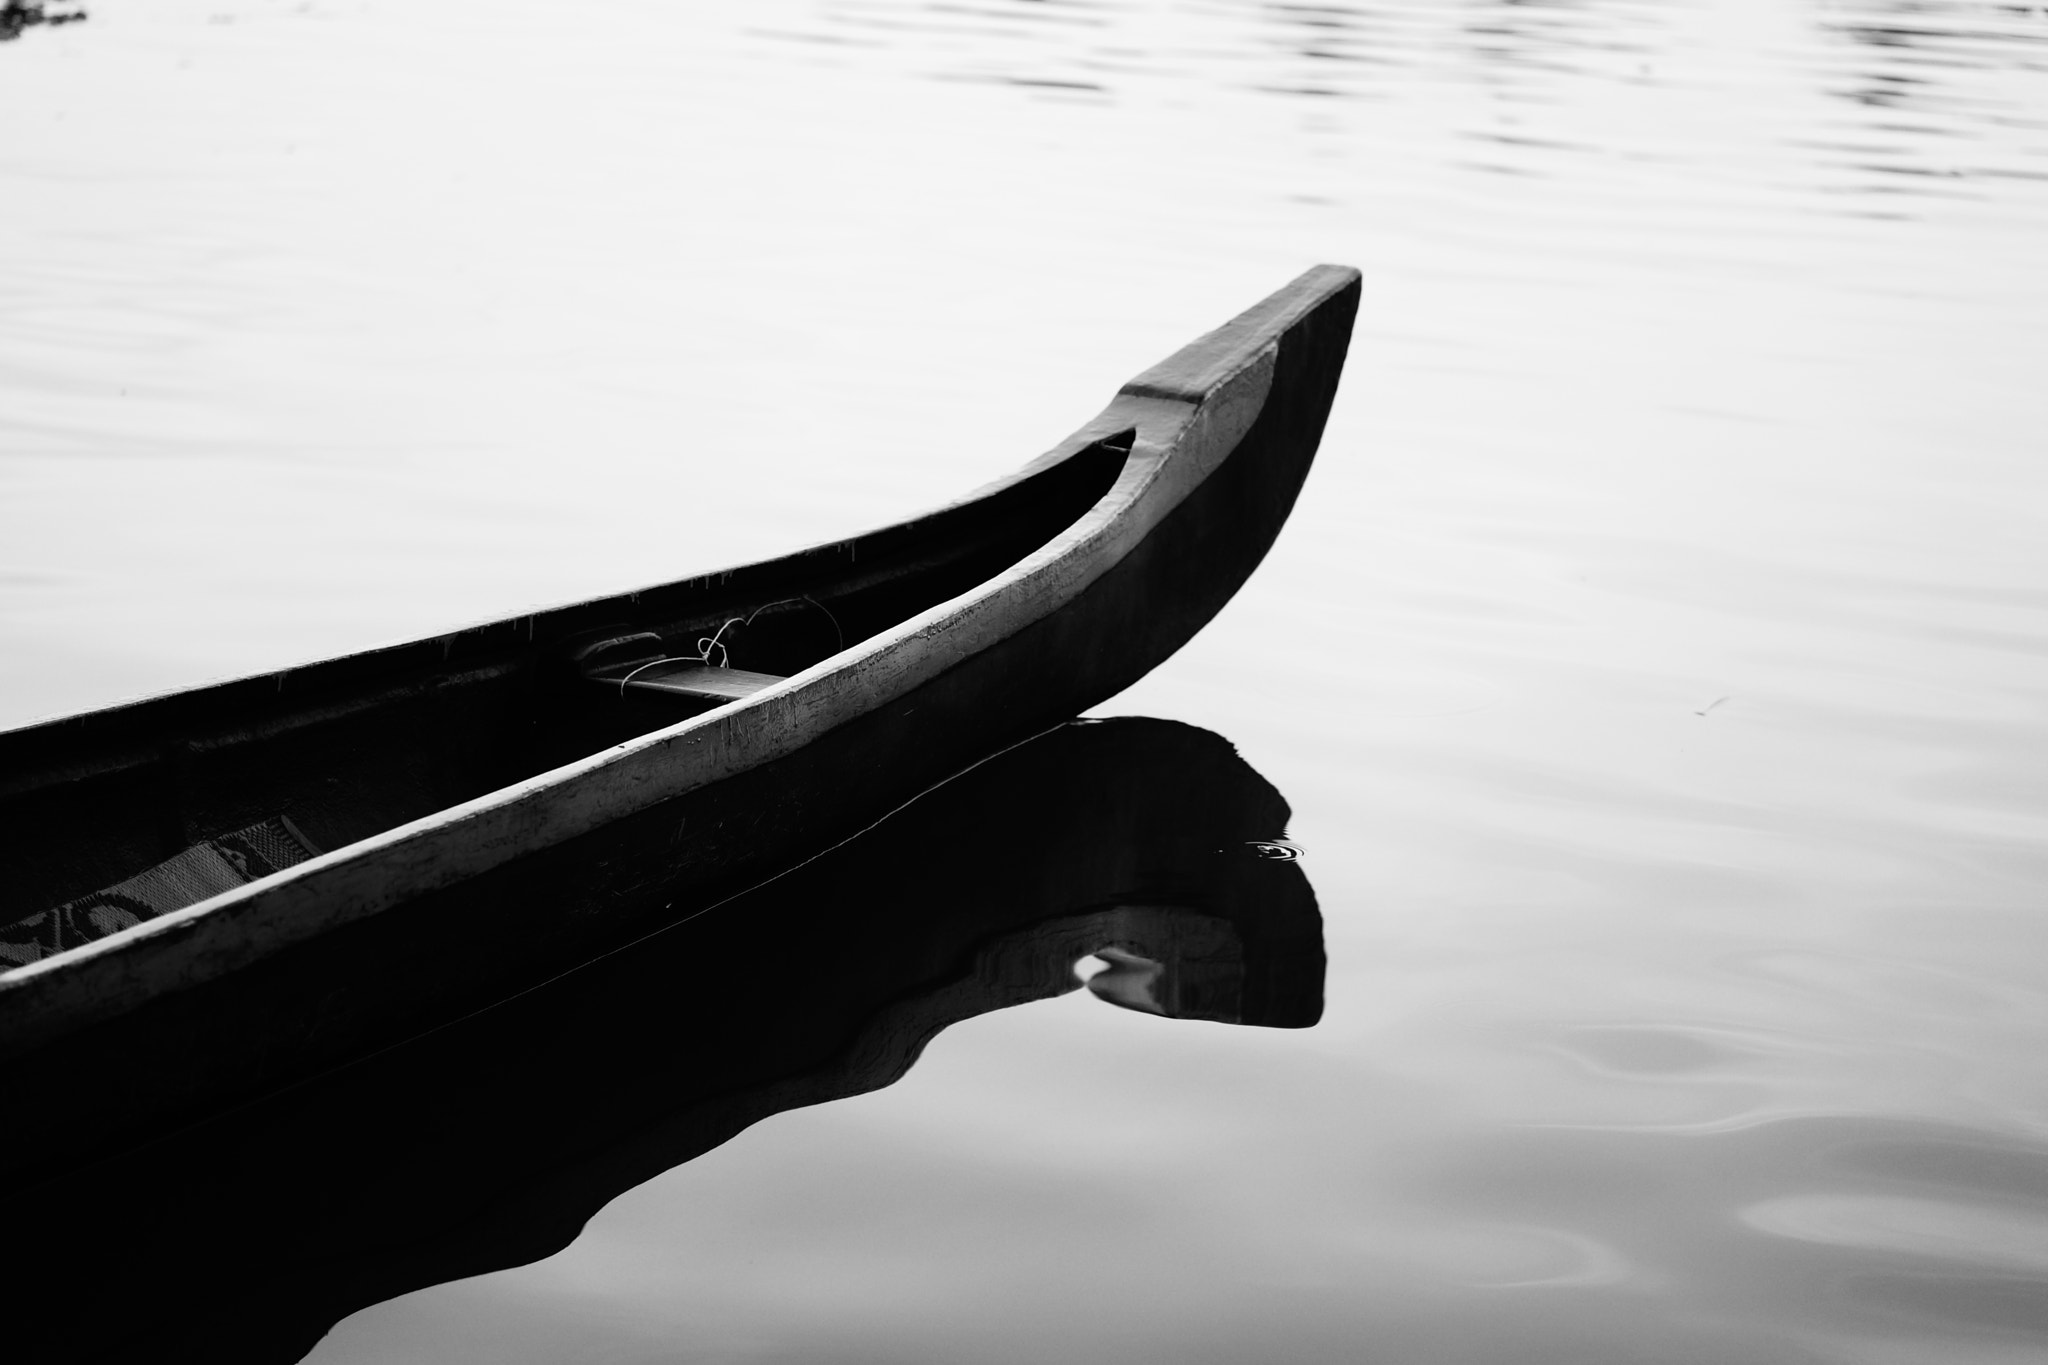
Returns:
(488,1143)
(384,807)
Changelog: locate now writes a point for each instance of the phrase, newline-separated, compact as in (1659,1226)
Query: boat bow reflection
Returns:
(1142,843)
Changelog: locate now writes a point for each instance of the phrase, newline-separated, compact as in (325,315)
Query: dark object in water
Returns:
(16,15)
(489,1143)
(700,734)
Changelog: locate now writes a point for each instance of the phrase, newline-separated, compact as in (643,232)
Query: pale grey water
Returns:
(1657,663)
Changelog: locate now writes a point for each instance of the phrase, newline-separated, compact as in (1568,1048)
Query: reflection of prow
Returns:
(1141,843)
(1166,960)
(487,1144)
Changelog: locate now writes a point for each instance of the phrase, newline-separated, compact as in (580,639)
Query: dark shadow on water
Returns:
(488,1144)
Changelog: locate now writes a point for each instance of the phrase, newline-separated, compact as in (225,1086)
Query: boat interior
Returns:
(161,799)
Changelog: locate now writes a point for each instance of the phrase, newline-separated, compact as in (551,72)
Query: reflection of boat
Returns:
(722,724)
(488,1143)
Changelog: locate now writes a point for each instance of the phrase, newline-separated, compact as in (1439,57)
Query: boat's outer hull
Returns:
(803,765)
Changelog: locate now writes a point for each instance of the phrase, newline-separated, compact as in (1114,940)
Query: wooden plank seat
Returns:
(689,678)
(639,664)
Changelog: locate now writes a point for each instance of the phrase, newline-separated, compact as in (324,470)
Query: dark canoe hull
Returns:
(453,937)
(489,1143)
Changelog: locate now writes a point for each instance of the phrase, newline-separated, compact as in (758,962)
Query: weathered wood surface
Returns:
(489,1143)
(1220,438)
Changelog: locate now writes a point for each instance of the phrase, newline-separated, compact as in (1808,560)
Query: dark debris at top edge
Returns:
(17,15)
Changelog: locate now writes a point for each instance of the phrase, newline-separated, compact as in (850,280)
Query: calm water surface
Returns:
(1656,666)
